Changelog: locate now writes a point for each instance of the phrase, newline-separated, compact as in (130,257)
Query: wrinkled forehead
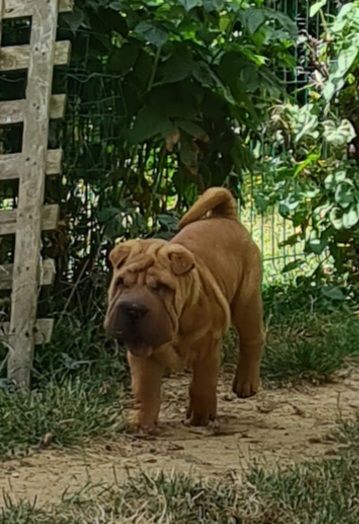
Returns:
(146,262)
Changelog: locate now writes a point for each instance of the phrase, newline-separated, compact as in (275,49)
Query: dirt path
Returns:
(282,425)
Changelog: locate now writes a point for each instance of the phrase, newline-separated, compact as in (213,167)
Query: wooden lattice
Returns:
(31,166)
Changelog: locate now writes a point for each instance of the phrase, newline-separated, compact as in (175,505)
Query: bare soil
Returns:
(276,426)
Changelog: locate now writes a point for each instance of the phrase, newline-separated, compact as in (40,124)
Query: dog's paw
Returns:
(141,426)
(245,387)
(200,417)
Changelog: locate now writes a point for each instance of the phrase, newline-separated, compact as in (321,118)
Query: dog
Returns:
(171,302)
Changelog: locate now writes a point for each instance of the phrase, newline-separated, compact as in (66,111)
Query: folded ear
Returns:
(181,260)
(120,253)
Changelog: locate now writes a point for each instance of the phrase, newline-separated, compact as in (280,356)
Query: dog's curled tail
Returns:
(215,202)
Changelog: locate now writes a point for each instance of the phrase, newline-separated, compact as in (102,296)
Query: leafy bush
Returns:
(312,175)
(164,98)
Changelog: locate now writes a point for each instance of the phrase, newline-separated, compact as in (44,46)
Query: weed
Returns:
(347,434)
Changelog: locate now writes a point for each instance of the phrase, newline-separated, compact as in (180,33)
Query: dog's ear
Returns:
(120,253)
(181,260)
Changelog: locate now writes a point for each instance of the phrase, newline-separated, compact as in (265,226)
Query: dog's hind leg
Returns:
(247,317)
(203,389)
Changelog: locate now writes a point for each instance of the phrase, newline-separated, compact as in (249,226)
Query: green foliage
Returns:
(312,173)
(345,46)
(163,100)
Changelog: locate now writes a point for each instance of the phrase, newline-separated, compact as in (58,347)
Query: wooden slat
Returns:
(21,8)
(2,7)
(31,214)
(9,219)
(12,112)
(47,273)
(10,165)
(17,56)
(42,331)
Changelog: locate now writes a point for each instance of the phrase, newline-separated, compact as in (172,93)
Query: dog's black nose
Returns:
(133,311)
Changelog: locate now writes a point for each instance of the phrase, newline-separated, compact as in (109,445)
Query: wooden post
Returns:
(31,193)
(31,217)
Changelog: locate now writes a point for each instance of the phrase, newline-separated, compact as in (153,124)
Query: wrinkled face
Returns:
(147,293)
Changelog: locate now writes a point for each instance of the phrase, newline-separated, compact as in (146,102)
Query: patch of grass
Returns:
(63,414)
(311,347)
(348,434)
(321,493)
(285,364)
(305,346)
(79,346)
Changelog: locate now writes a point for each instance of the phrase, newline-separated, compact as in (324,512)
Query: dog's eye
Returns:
(159,288)
(120,282)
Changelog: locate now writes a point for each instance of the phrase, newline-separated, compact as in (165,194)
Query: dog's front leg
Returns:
(203,389)
(146,378)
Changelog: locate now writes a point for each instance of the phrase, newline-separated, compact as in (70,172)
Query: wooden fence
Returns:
(31,216)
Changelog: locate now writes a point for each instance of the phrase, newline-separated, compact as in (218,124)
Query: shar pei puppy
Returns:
(171,302)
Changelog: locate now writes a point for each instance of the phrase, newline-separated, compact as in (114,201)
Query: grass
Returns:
(311,348)
(78,387)
(60,414)
(323,492)
(310,336)
(305,347)
(348,434)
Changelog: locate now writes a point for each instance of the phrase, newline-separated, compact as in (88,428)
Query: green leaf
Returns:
(213,5)
(338,136)
(116,5)
(75,19)
(203,74)
(336,218)
(351,217)
(252,18)
(291,240)
(340,68)
(332,180)
(333,292)
(176,68)
(123,59)
(175,101)
(287,206)
(148,124)
(347,12)
(315,244)
(153,34)
(344,194)
(306,123)
(284,20)
(190,4)
(321,212)
(293,265)
(315,8)
(193,129)
(311,159)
